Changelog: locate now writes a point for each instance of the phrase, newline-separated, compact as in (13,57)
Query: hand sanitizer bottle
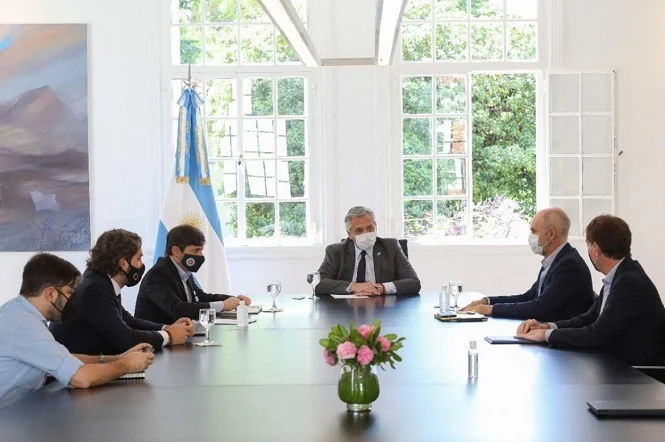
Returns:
(243,315)
(473,360)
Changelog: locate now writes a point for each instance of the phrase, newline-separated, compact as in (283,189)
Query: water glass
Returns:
(207,318)
(455,288)
(313,279)
(274,288)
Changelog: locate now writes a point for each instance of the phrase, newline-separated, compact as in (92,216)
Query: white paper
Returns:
(349,296)
(232,321)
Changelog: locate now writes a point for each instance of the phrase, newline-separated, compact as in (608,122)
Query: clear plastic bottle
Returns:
(444,300)
(473,360)
(243,315)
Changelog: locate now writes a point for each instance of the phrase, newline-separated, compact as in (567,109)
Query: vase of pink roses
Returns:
(360,351)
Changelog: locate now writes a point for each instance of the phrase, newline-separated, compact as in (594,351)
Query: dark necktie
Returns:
(190,287)
(361,267)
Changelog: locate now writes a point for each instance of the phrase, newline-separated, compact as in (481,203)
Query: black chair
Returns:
(403,244)
(656,372)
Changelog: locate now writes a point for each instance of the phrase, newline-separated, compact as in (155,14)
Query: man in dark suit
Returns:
(627,320)
(365,264)
(168,290)
(102,325)
(563,288)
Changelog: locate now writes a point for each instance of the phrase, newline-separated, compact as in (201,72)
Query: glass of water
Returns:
(207,318)
(455,288)
(313,279)
(274,288)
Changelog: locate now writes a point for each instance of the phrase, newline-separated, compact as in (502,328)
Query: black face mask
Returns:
(193,262)
(134,274)
(70,311)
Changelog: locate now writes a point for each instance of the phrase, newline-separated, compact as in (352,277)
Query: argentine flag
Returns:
(190,199)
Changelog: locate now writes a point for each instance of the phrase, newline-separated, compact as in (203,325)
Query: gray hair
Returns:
(355,212)
(557,219)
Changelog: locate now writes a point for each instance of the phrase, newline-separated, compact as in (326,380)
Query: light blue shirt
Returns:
(370,276)
(547,263)
(28,352)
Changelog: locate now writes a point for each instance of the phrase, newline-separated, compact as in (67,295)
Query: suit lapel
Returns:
(349,261)
(379,252)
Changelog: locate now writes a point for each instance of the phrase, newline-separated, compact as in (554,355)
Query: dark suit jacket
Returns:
(103,325)
(390,265)
(162,296)
(567,292)
(631,327)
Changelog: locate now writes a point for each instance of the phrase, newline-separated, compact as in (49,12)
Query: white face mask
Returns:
(365,241)
(533,243)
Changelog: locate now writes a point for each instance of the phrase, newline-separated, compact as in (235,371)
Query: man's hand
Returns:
(537,334)
(185,321)
(364,288)
(231,303)
(139,348)
(136,361)
(179,333)
(531,324)
(244,298)
(468,308)
(482,309)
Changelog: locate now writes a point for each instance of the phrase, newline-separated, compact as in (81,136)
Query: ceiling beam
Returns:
(388,20)
(285,17)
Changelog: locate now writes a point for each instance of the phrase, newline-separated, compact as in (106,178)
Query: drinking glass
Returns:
(274,288)
(313,279)
(207,318)
(455,290)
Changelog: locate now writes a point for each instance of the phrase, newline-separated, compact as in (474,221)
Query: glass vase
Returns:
(358,387)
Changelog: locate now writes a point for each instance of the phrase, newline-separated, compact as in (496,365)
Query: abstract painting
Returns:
(44,178)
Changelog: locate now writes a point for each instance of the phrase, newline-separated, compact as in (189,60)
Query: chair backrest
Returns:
(402,243)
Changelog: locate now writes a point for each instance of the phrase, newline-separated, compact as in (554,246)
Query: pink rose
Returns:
(365,330)
(385,344)
(346,350)
(365,355)
(330,360)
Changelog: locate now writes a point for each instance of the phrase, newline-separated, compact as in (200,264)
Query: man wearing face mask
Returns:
(28,351)
(168,290)
(365,264)
(627,319)
(563,288)
(102,325)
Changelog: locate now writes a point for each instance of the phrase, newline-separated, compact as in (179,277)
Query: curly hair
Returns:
(111,247)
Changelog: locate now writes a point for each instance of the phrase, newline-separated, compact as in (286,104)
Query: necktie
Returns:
(361,267)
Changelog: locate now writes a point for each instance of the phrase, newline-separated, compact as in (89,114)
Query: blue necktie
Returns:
(361,267)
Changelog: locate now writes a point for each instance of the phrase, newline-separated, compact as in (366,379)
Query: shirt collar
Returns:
(607,280)
(116,287)
(547,262)
(184,274)
(31,308)
(359,251)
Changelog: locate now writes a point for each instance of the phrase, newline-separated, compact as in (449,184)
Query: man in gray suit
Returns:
(365,264)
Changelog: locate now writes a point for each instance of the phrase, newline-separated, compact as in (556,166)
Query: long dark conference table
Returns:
(270,383)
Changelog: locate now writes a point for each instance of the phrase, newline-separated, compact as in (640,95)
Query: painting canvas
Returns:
(44,179)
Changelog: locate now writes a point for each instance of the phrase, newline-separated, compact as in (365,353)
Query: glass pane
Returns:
(572,209)
(597,176)
(301,8)
(596,93)
(293,219)
(484,9)
(218,11)
(221,45)
(222,138)
(260,179)
(259,138)
(451,217)
(228,216)
(190,45)
(591,208)
(285,53)
(417,42)
(260,220)
(565,176)
(252,12)
(221,98)
(417,136)
(451,42)
(450,9)
(499,218)
(451,176)
(451,136)
(597,134)
(186,11)
(291,138)
(257,96)
(487,41)
(291,179)
(256,44)
(564,92)
(522,41)
(224,179)
(417,95)
(565,133)
(417,177)
(291,96)
(418,10)
(524,9)
(450,95)
(418,218)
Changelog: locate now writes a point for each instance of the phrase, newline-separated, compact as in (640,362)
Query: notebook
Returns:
(511,340)
(461,317)
(252,309)
(131,376)
(627,408)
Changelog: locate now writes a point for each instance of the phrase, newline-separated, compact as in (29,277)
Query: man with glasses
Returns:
(28,351)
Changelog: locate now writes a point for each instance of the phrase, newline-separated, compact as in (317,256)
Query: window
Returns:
(257,116)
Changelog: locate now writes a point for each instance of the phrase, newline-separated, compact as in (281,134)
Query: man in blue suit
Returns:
(563,288)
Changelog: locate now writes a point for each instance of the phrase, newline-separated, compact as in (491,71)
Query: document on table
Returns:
(349,296)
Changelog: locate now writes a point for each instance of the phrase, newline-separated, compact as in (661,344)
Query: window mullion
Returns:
(240,163)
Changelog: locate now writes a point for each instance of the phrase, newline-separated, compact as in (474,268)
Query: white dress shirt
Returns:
(370,276)
(184,276)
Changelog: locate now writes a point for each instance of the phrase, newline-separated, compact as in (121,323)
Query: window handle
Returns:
(240,160)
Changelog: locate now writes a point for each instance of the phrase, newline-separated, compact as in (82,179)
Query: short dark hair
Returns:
(612,235)
(182,236)
(111,247)
(47,270)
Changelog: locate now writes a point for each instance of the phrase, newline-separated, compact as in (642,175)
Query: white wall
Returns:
(125,110)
